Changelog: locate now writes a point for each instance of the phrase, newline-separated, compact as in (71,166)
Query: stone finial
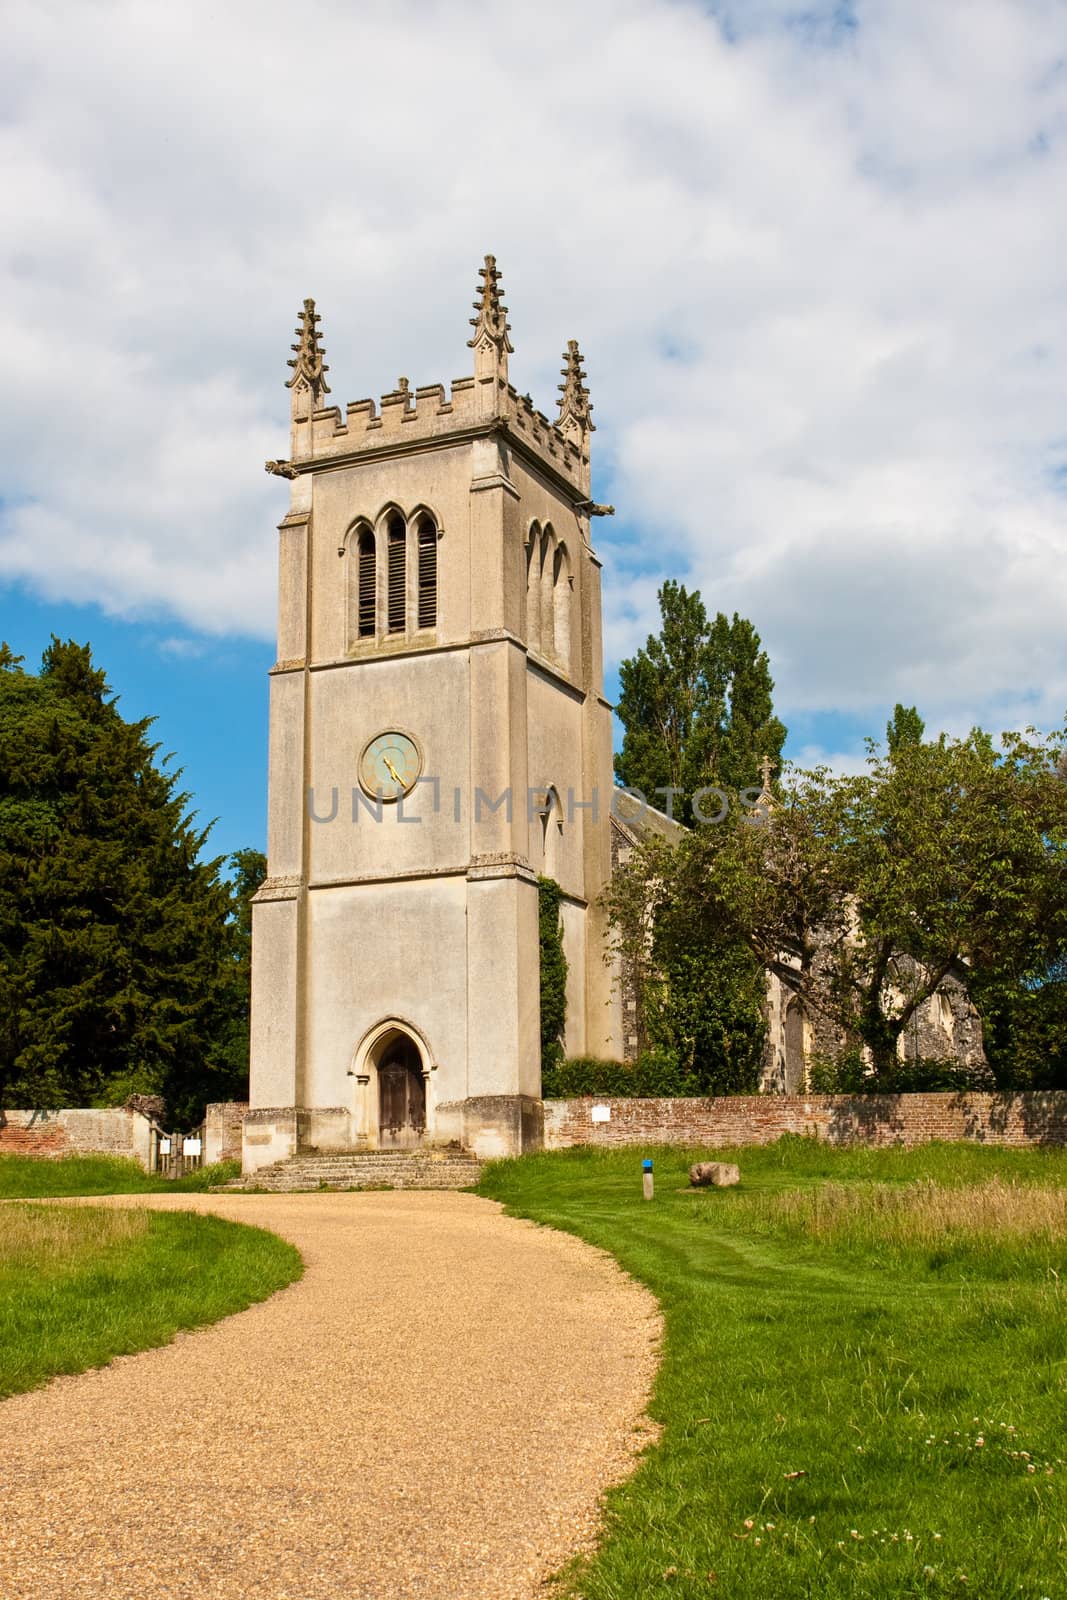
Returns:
(308,366)
(490,343)
(575,412)
(765,801)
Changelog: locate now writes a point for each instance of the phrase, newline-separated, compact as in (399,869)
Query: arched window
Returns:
(547,629)
(366,585)
(795,1042)
(533,588)
(427,573)
(396,600)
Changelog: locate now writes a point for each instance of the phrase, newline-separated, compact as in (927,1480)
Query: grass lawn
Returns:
(79,1285)
(34,1177)
(864,1383)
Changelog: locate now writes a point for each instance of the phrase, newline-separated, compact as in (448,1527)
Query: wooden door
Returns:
(401,1098)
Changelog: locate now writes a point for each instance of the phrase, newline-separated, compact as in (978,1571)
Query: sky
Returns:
(814,256)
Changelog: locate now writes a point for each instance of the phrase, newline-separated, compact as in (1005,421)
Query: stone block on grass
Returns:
(714,1174)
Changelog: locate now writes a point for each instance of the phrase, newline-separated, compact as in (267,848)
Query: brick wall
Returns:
(1011,1119)
(113,1132)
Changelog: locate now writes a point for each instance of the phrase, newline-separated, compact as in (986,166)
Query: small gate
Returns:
(179,1153)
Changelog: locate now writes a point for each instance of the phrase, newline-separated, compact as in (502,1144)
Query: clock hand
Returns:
(393,773)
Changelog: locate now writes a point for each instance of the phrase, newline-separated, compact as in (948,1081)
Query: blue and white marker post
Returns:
(646,1177)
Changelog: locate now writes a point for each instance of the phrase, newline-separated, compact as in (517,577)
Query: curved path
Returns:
(431,1411)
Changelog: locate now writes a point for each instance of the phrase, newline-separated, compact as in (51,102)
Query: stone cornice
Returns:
(489,636)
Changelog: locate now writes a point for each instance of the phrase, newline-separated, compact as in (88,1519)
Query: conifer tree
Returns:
(696,705)
(116,939)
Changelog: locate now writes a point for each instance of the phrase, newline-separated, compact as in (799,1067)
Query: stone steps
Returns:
(367,1169)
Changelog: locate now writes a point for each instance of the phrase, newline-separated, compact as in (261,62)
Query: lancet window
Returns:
(396,597)
(366,579)
(427,546)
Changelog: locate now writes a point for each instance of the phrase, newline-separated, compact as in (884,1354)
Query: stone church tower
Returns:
(438,739)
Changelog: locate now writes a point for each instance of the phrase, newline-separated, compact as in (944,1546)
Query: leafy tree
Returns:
(553,973)
(696,704)
(117,949)
(947,858)
(705,1007)
(700,991)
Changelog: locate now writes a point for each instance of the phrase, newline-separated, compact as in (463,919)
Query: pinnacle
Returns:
(492,312)
(574,404)
(307,364)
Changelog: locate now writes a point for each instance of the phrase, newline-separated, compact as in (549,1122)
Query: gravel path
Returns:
(431,1411)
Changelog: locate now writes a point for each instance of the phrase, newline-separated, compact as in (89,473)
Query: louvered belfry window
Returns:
(396,599)
(367,578)
(427,574)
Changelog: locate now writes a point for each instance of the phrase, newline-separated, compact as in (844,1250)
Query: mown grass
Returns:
(81,1285)
(861,1397)
(33,1177)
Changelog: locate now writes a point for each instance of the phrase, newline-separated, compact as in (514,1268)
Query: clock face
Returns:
(390,765)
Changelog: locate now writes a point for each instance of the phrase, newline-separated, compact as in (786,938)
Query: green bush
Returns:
(652,1076)
(848,1073)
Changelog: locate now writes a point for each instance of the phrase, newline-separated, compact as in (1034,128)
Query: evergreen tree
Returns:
(905,728)
(696,705)
(116,940)
(222,1074)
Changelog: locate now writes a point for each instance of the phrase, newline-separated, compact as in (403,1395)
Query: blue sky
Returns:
(209,701)
(813,255)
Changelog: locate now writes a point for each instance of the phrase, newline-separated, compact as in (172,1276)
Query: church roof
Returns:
(640,820)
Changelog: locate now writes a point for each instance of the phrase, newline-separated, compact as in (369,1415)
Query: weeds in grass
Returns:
(49,1239)
(997,1225)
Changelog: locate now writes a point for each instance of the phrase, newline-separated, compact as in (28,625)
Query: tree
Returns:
(117,946)
(222,1072)
(948,858)
(696,704)
(700,992)
(905,727)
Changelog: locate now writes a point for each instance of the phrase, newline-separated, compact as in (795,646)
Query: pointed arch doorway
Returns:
(401,1094)
(393,1105)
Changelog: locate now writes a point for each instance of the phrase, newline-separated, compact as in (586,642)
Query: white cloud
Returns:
(816,268)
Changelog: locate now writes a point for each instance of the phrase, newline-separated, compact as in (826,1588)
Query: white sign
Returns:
(164,1147)
(190,1147)
(601,1113)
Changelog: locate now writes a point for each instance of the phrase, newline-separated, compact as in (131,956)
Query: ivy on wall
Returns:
(553,973)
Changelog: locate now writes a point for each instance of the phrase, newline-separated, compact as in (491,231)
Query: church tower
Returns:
(438,739)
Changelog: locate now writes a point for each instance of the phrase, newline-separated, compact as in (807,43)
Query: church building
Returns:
(439,739)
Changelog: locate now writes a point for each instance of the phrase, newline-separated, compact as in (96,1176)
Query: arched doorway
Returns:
(796,1066)
(401,1094)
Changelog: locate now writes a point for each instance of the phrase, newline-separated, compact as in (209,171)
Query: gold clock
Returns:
(390,765)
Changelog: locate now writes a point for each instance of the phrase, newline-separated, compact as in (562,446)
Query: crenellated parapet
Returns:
(428,415)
